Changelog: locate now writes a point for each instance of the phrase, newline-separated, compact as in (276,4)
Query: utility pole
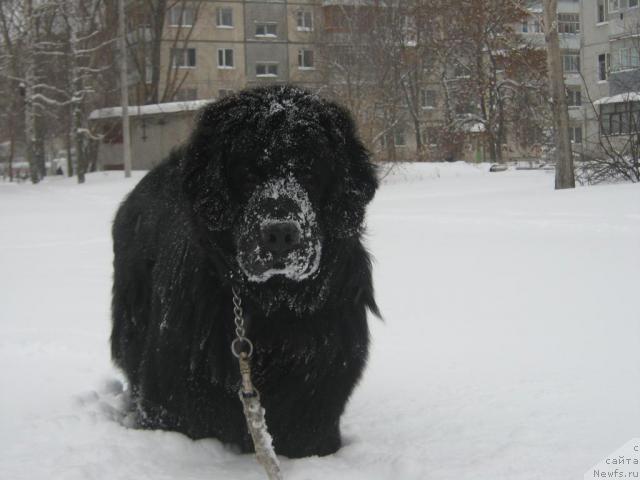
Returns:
(124,93)
(564,157)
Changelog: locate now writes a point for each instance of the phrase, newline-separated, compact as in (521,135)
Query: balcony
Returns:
(626,24)
(569,41)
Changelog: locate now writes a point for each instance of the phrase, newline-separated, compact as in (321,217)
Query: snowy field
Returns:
(510,347)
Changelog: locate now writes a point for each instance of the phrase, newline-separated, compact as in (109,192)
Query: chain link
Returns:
(238,319)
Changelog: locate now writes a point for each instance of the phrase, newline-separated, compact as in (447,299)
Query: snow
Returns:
(476,127)
(154,109)
(620,98)
(510,346)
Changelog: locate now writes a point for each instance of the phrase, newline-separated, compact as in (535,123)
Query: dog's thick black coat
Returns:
(176,241)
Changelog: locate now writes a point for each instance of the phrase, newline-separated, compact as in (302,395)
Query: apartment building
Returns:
(610,55)
(600,43)
(210,48)
(570,27)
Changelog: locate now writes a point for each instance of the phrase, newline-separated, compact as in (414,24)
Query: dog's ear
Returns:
(204,181)
(357,179)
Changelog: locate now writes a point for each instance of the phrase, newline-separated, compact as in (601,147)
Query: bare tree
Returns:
(348,74)
(486,67)
(79,18)
(366,54)
(616,155)
(29,60)
(158,82)
(388,62)
(11,80)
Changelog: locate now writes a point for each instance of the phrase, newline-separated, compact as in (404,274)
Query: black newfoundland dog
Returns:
(268,196)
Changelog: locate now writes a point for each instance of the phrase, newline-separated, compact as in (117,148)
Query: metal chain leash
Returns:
(242,349)
(238,319)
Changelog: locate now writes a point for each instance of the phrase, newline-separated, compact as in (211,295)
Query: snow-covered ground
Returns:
(510,347)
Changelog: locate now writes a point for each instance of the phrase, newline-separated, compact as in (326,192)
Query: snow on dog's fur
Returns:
(268,195)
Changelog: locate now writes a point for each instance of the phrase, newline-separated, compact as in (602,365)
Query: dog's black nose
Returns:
(280,237)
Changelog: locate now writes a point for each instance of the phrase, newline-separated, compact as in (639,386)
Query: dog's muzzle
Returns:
(278,233)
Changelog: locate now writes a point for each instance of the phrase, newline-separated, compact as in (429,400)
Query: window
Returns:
(603,67)
(224,92)
(568,23)
(620,118)
(266,29)
(432,135)
(225,58)
(460,71)
(345,56)
(181,16)
(428,99)
(601,11)
(186,93)
(409,30)
(183,57)
(571,62)
(305,59)
(266,69)
(399,138)
(224,16)
(575,134)
(464,106)
(304,20)
(574,97)
(616,5)
(628,58)
(531,26)
(111,132)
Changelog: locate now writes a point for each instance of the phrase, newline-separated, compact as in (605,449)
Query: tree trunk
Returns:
(81,163)
(564,159)
(76,121)
(69,147)
(92,155)
(38,146)
(490,141)
(12,151)
(29,117)
(419,142)
(79,141)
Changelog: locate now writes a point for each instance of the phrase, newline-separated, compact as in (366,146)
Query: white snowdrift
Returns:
(510,347)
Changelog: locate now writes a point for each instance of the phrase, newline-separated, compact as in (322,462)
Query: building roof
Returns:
(620,98)
(154,109)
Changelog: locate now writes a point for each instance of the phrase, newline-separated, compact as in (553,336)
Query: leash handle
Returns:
(250,397)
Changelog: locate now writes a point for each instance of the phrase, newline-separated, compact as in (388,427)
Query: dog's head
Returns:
(278,181)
